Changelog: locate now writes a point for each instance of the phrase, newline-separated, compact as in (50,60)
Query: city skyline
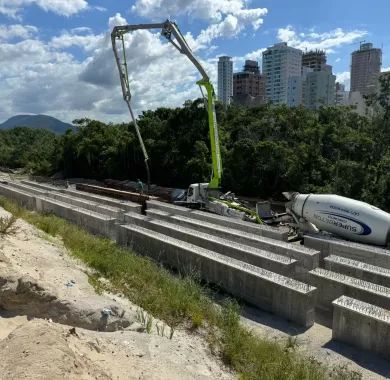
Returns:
(61,51)
(293,77)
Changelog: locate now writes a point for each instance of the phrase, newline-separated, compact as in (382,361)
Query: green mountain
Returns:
(36,121)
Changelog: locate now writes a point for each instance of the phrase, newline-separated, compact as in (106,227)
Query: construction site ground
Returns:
(37,273)
(36,270)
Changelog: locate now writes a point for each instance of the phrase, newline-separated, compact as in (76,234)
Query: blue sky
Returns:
(56,57)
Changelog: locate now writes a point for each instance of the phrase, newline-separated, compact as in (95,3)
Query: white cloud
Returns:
(116,20)
(385,69)
(45,77)
(229,27)
(100,9)
(213,10)
(256,55)
(81,29)
(13,8)
(327,41)
(288,34)
(227,17)
(87,42)
(16,31)
(344,78)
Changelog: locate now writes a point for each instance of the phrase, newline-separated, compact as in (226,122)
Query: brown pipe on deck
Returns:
(113,193)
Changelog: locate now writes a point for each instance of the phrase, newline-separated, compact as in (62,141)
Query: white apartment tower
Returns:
(282,67)
(225,79)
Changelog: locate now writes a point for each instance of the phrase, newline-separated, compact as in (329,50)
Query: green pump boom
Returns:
(172,33)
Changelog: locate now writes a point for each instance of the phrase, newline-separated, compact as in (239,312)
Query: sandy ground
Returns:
(44,293)
(47,350)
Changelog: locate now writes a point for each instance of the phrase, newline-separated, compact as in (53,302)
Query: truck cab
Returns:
(197,193)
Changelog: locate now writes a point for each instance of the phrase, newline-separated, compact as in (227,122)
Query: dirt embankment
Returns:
(54,326)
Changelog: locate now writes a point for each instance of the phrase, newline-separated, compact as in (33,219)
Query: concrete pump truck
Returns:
(310,213)
(199,195)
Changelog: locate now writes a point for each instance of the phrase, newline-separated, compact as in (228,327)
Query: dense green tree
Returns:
(34,149)
(265,150)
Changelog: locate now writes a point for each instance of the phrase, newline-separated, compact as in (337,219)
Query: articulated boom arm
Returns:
(172,33)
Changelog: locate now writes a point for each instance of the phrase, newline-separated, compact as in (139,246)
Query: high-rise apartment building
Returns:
(249,86)
(341,95)
(282,69)
(320,88)
(225,79)
(251,66)
(314,59)
(365,69)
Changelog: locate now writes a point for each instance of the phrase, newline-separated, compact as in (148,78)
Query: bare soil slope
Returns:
(44,294)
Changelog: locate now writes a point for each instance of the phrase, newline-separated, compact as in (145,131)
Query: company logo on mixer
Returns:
(345,222)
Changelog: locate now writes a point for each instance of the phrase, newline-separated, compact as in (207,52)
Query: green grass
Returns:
(182,301)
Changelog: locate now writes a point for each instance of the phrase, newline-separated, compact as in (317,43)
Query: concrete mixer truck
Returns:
(345,217)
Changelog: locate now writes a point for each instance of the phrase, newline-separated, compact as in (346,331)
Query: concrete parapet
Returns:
(358,269)
(267,260)
(362,324)
(27,188)
(283,296)
(123,205)
(89,205)
(308,259)
(43,186)
(21,197)
(332,285)
(239,225)
(92,221)
(356,251)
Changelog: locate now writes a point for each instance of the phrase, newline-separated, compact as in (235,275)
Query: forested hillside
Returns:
(265,150)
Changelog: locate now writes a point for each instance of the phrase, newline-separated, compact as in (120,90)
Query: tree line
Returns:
(265,150)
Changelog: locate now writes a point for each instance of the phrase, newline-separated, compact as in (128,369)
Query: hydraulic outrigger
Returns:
(172,33)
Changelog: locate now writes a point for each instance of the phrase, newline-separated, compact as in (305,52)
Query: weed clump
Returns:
(7,225)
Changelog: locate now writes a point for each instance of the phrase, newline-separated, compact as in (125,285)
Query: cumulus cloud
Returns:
(344,78)
(227,17)
(13,8)
(311,40)
(385,69)
(213,10)
(116,21)
(16,31)
(256,55)
(56,82)
(88,42)
(159,74)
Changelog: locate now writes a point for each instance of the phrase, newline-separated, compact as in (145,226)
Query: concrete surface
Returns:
(363,271)
(21,197)
(362,325)
(331,285)
(240,225)
(27,188)
(92,221)
(283,296)
(124,205)
(356,251)
(267,260)
(308,259)
(43,186)
(114,212)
